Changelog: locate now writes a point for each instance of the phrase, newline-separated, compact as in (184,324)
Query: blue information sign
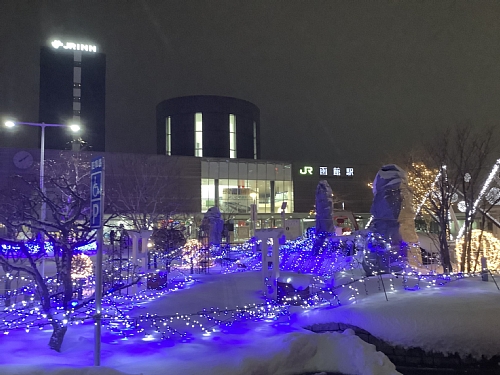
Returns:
(96,189)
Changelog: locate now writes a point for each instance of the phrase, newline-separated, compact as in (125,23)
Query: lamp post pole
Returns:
(43,210)
(42,172)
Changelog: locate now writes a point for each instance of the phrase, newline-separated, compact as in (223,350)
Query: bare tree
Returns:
(460,155)
(144,188)
(488,199)
(66,226)
(469,159)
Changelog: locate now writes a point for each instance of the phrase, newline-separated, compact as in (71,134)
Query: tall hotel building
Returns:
(72,90)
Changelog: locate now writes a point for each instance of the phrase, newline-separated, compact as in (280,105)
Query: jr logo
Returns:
(306,170)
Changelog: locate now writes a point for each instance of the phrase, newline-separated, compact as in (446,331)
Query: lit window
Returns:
(77,74)
(198,137)
(169,138)
(232,136)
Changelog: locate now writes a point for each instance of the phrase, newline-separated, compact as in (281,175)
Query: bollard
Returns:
(484,269)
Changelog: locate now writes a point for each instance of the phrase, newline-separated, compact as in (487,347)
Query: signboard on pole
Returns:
(96,192)
(96,208)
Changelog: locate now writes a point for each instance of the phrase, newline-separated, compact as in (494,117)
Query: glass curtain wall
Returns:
(234,185)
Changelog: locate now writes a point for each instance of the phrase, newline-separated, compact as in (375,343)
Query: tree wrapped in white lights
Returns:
(422,181)
(471,163)
(489,196)
(460,155)
(483,244)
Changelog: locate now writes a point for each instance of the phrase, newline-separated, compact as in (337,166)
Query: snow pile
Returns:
(294,352)
(301,352)
(460,317)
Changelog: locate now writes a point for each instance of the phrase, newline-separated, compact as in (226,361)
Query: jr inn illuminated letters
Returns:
(74,46)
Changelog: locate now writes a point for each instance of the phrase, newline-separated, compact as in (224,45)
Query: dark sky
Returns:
(344,81)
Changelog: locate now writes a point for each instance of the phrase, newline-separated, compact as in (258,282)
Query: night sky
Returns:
(343,81)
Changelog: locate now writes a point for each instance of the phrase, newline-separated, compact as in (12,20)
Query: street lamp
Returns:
(73,127)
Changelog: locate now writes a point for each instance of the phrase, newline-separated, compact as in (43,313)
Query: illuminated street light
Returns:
(73,127)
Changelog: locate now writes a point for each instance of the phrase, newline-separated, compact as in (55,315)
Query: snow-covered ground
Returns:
(460,316)
(455,315)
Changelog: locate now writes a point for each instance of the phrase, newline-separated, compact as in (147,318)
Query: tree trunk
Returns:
(463,256)
(469,250)
(57,337)
(8,291)
(8,285)
(444,252)
(479,249)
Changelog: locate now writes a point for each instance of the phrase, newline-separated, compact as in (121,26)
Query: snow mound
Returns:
(304,352)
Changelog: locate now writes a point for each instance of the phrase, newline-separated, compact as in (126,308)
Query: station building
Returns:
(224,133)
(211,145)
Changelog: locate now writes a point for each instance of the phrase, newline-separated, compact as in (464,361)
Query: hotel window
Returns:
(169,137)
(198,134)
(254,140)
(77,74)
(232,136)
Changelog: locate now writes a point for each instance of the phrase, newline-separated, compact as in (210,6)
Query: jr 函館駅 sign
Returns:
(326,171)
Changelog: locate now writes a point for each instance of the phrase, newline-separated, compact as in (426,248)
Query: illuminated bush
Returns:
(81,266)
(490,249)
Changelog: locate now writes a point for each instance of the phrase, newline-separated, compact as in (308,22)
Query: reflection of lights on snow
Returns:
(461,206)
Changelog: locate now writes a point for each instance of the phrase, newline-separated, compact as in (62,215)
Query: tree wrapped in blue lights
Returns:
(324,214)
(35,234)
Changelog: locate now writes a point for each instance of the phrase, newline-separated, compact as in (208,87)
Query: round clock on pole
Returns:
(23,159)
